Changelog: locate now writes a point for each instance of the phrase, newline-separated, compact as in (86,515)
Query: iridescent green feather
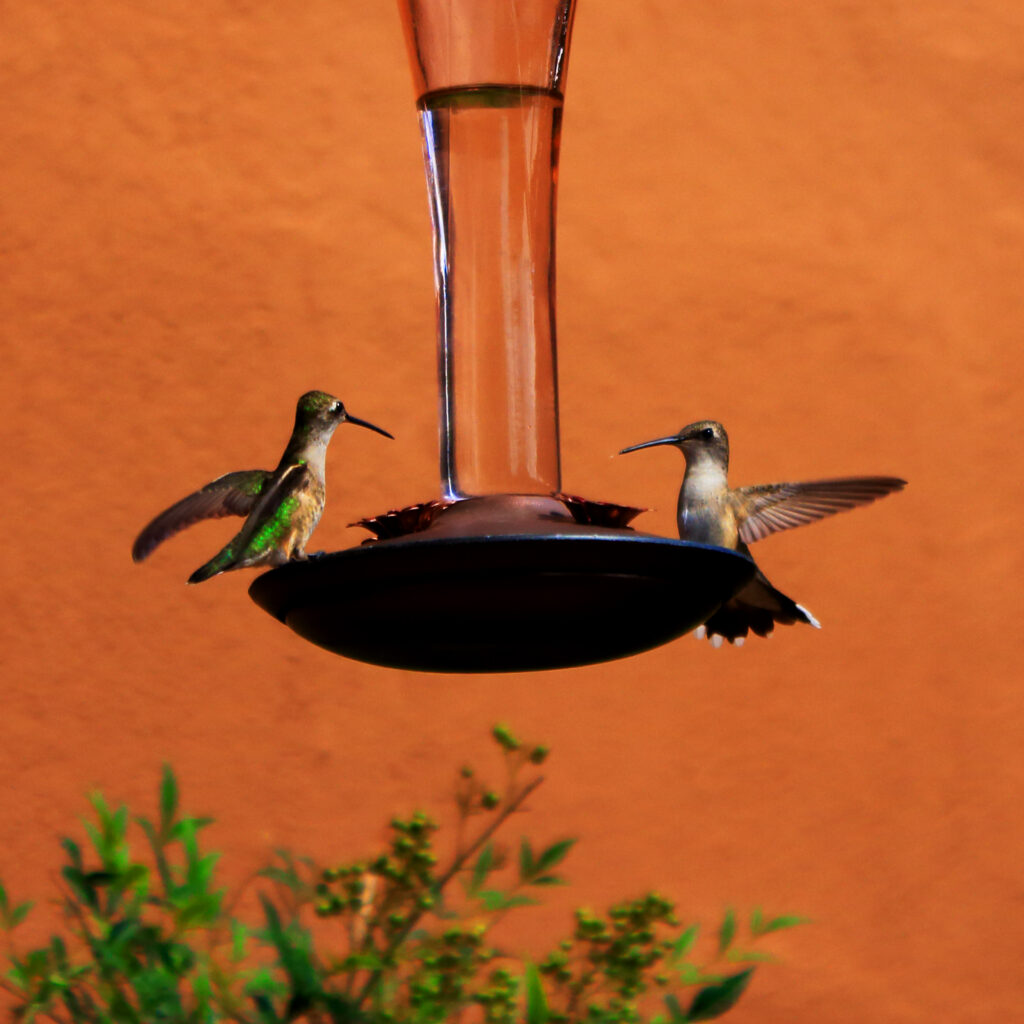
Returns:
(278,526)
(260,536)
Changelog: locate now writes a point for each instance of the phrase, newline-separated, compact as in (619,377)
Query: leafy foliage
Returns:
(400,940)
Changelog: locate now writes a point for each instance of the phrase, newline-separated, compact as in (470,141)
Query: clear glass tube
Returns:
(489,76)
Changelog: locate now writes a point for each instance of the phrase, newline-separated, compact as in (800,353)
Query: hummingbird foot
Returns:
(716,639)
(303,556)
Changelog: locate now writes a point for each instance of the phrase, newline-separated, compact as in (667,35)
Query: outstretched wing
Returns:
(769,508)
(233,494)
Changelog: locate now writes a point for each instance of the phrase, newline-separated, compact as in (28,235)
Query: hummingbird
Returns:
(712,512)
(282,508)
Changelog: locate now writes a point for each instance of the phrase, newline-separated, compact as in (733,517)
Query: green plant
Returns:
(392,939)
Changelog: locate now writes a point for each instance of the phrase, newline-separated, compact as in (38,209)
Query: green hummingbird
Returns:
(282,508)
(711,512)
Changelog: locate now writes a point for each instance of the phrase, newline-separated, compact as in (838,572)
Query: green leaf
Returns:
(239,934)
(554,854)
(287,873)
(96,838)
(548,880)
(73,851)
(135,876)
(17,975)
(526,862)
(675,1011)
(684,943)
(19,914)
(186,828)
(147,827)
(714,1000)
(492,899)
(264,1007)
(519,901)
(536,999)
(295,954)
(778,923)
(122,932)
(340,1009)
(81,886)
(283,876)
(727,932)
(59,951)
(201,909)
(261,987)
(99,805)
(691,974)
(495,899)
(506,740)
(157,844)
(203,989)
(168,799)
(119,824)
(364,961)
(482,868)
(273,920)
(748,956)
(10,917)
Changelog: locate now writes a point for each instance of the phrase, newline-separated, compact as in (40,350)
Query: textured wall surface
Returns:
(804,219)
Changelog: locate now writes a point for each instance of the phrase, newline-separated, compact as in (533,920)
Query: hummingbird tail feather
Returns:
(204,572)
(220,562)
(757,609)
(808,617)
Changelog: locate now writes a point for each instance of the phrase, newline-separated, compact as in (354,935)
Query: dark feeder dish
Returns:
(504,573)
(502,584)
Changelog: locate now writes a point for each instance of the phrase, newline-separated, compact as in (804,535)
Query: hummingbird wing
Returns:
(768,508)
(233,494)
(273,531)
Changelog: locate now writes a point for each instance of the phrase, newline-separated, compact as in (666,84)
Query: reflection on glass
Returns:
(489,77)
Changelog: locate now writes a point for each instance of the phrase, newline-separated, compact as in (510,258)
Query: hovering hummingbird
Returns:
(711,512)
(282,508)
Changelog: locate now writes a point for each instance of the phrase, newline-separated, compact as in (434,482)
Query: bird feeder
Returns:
(502,572)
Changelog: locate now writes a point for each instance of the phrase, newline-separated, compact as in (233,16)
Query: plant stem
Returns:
(512,806)
(457,864)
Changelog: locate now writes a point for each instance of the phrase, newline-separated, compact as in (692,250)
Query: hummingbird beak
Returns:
(674,439)
(369,426)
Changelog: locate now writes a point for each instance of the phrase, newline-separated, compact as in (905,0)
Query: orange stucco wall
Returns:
(804,219)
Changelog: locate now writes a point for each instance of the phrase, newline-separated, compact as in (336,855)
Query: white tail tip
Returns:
(811,620)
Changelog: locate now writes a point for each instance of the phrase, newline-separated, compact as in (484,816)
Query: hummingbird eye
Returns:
(337,407)
(707,434)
